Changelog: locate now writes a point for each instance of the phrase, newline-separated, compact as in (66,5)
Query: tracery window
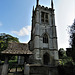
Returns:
(44,17)
(45,38)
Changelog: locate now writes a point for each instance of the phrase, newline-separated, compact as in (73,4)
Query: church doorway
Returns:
(46,59)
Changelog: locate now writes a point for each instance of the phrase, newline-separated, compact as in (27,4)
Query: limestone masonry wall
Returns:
(0,69)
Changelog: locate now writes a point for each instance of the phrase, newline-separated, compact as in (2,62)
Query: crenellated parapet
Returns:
(44,8)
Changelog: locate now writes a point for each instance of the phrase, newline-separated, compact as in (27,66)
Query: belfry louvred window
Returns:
(44,17)
(45,38)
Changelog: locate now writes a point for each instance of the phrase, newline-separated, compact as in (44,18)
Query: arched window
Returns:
(45,38)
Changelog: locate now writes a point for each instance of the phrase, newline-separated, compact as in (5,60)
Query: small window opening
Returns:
(42,16)
(46,18)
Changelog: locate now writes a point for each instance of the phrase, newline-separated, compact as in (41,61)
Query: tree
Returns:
(72,40)
(4,40)
(64,59)
(62,53)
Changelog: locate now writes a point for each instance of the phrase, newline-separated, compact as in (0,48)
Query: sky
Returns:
(16,17)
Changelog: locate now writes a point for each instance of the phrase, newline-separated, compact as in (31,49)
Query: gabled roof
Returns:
(17,49)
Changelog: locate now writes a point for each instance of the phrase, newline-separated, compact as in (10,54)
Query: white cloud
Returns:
(24,31)
(1,24)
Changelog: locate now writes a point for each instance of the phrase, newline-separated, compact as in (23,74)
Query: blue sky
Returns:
(16,16)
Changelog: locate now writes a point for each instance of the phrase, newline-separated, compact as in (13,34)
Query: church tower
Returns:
(43,41)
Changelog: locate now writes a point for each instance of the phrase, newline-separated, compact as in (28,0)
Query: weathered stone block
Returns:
(5,69)
(40,70)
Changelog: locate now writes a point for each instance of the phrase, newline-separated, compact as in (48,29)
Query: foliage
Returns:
(67,58)
(68,69)
(4,40)
(72,34)
(63,58)
(66,65)
(3,45)
(72,41)
(62,53)
(68,51)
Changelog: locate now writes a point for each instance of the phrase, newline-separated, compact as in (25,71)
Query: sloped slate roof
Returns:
(17,48)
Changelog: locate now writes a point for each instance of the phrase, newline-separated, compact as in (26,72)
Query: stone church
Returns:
(43,43)
(41,52)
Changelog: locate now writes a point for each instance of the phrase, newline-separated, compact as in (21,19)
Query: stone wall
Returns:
(0,69)
(40,70)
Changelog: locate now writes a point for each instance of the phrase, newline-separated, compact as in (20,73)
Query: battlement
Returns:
(44,8)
